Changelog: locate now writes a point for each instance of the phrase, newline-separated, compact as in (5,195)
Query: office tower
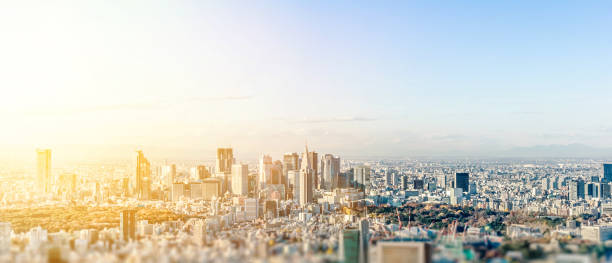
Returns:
(5,238)
(271,209)
(607,172)
(462,180)
(361,175)
(127,221)
(354,244)
(417,184)
(291,161)
(405,182)
(404,252)
(389,178)
(202,172)
(306,175)
(591,189)
(196,190)
(211,188)
(265,170)
(276,173)
(604,191)
(294,184)
(251,207)
(169,173)
(330,170)
(199,232)
(456,196)
(364,240)
(240,173)
(594,179)
(546,183)
(349,246)
(67,183)
(313,159)
(178,190)
(225,160)
(44,178)
(576,190)
(143,177)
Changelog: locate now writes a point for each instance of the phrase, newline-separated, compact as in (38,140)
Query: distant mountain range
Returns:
(557,150)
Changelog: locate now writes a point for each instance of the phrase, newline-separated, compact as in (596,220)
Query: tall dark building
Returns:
(462,180)
(128,224)
(607,172)
(417,184)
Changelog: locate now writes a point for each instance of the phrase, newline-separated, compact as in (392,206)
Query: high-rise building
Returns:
(202,172)
(128,224)
(306,178)
(291,161)
(361,175)
(417,184)
(604,191)
(143,177)
(169,173)
(607,172)
(5,238)
(276,173)
(196,190)
(225,160)
(349,246)
(199,232)
(397,252)
(251,207)
(354,244)
(240,173)
(462,180)
(178,190)
(330,171)
(405,182)
(313,159)
(265,170)
(364,240)
(576,190)
(44,178)
(211,188)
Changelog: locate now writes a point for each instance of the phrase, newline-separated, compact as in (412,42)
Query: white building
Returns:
(240,173)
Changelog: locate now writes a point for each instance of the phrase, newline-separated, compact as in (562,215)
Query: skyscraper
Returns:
(240,173)
(265,171)
(225,160)
(45,179)
(462,180)
(330,170)
(313,159)
(169,173)
(291,161)
(202,172)
(362,177)
(127,223)
(576,190)
(143,177)
(306,178)
(607,172)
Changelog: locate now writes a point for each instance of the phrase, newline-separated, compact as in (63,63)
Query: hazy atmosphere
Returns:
(180,78)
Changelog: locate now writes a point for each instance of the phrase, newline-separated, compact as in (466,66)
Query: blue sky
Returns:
(353,78)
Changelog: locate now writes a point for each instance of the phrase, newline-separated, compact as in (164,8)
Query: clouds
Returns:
(336,120)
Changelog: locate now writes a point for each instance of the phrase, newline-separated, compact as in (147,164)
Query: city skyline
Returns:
(415,79)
